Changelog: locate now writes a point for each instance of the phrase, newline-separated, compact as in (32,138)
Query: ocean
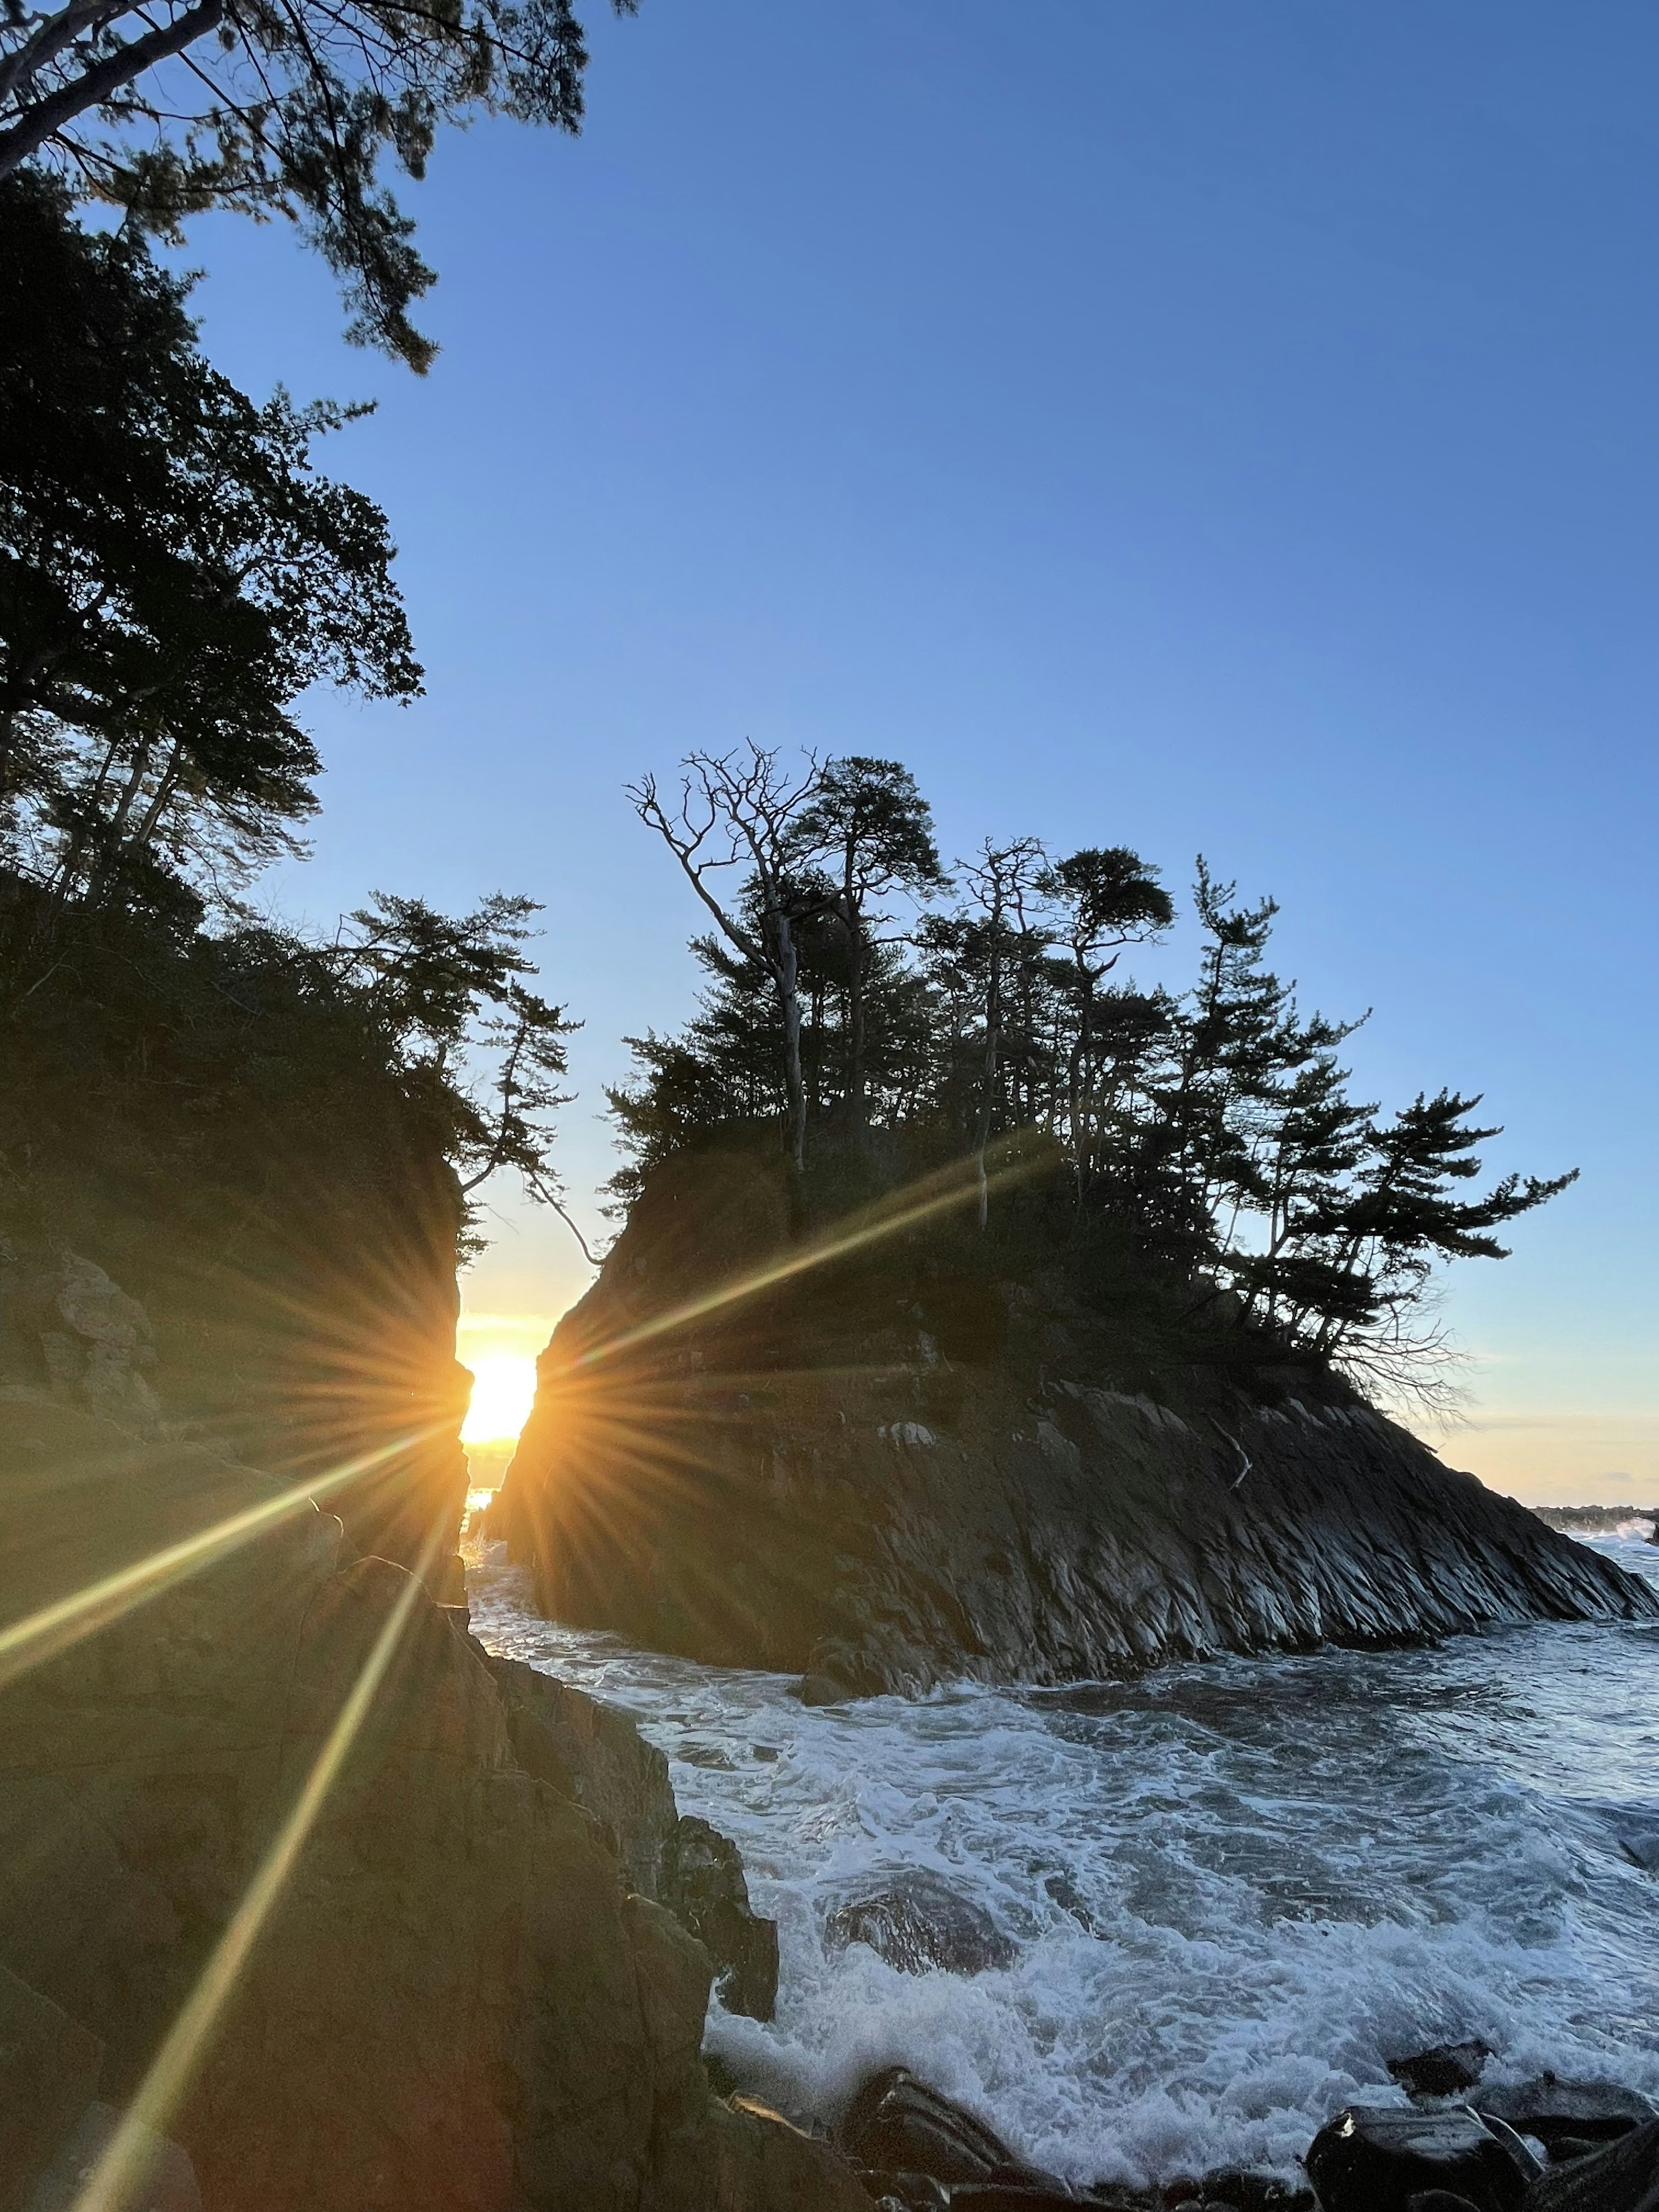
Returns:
(1235,1889)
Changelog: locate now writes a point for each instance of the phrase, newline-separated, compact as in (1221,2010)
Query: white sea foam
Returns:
(1236,1889)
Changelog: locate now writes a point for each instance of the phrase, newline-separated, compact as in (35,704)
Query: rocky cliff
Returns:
(463,1997)
(890,1451)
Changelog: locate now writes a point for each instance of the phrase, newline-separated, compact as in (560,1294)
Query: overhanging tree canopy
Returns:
(167,107)
(175,575)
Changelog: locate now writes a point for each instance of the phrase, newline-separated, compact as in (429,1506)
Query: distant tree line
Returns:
(858,992)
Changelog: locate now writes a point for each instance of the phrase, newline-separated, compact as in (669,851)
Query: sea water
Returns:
(1235,1888)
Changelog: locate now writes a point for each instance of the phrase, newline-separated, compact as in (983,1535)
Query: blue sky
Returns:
(1213,426)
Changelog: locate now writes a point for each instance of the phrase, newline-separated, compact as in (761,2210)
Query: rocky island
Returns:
(945,1455)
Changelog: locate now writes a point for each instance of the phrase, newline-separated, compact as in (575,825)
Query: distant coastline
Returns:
(1594,1520)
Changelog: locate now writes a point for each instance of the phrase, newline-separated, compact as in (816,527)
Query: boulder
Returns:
(1245,2190)
(823,1689)
(592,1753)
(1621,2177)
(67,1329)
(899,2127)
(1442,2071)
(1553,2109)
(1377,2160)
(1011,2197)
(917,1922)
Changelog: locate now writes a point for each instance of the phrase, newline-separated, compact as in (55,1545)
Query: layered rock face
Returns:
(893,1466)
(460,2001)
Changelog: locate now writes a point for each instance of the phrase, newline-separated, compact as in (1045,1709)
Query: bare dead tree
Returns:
(1001,882)
(740,810)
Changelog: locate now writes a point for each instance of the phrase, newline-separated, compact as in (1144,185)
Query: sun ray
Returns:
(956,1186)
(54,1628)
(120,2172)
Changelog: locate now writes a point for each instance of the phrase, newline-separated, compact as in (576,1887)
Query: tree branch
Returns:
(91,90)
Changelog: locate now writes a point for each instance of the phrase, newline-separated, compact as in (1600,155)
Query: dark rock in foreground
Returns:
(917,1923)
(881,1477)
(457,2005)
(703,1886)
(895,2126)
(593,1754)
(1554,2111)
(1622,2178)
(1380,2160)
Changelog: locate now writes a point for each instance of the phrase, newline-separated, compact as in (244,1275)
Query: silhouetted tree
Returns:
(173,576)
(1214,1129)
(167,107)
(744,810)
(870,830)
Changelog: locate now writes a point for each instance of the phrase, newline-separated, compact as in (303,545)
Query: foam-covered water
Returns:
(1235,1888)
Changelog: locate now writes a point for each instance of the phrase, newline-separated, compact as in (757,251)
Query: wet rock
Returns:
(1442,2071)
(703,1886)
(1243,2191)
(1372,2160)
(705,1754)
(899,2126)
(1010,2197)
(1552,2109)
(48,2070)
(917,1923)
(906,2192)
(1620,2177)
(822,1690)
(1065,1894)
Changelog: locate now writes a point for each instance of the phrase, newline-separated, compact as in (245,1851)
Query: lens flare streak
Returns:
(120,2172)
(44,1634)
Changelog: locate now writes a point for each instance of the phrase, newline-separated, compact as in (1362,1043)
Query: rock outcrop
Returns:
(881,1462)
(457,2003)
(594,1755)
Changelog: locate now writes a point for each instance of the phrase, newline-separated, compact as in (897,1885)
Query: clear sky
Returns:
(1214,426)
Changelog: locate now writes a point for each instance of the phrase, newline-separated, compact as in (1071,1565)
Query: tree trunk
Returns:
(993,1038)
(785,974)
(857,1113)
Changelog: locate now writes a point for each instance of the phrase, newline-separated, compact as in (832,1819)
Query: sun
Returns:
(502,1392)
(500,1349)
